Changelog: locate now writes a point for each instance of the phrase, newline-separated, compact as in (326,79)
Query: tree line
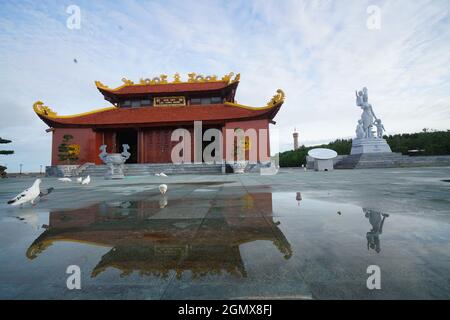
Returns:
(428,142)
(4,152)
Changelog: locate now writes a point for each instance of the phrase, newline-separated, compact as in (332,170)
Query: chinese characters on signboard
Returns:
(169,101)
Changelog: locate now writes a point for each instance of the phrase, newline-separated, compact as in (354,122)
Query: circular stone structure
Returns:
(322,153)
(323,158)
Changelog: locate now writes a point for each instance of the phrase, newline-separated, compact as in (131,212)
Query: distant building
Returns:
(295,134)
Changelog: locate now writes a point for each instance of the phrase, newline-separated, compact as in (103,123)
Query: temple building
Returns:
(145,114)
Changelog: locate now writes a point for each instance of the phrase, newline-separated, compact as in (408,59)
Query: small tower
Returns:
(295,134)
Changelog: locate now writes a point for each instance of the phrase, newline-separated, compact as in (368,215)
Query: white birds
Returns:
(86,181)
(65,179)
(80,179)
(28,195)
(162,174)
(163,189)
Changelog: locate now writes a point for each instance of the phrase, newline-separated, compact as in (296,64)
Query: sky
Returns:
(318,52)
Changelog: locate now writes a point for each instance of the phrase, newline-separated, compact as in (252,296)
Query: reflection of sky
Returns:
(318,52)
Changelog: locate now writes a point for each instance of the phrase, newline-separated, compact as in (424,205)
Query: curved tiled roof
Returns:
(167,88)
(153,116)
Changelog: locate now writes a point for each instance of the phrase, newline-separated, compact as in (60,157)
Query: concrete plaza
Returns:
(293,235)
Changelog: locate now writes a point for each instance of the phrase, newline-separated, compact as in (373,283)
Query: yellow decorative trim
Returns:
(100,85)
(162,79)
(39,108)
(276,100)
(127,82)
(45,111)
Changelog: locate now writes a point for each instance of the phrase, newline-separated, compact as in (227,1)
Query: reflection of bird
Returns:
(87,180)
(65,179)
(80,179)
(28,195)
(163,189)
(162,202)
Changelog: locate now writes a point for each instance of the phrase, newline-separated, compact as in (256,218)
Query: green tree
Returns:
(66,151)
(4,152)
(427,142)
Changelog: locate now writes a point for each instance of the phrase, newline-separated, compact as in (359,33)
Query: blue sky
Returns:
(318,52)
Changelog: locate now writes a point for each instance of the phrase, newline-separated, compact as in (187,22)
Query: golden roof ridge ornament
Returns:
(40,109)
(98,84)
(162,79)
(276,99)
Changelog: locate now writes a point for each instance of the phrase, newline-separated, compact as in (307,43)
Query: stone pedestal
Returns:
(370,145)
(115,166)
(115,162)
(323,164)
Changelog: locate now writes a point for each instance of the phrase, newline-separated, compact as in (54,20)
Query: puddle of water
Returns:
(234,245)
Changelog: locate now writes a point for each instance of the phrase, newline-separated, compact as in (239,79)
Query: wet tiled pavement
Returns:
(294,235)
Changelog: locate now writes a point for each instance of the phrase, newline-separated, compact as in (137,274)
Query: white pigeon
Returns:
(28,195)
(65,179)
(157,174)
(87,180)
(162,174)
(163,189)
(80,179)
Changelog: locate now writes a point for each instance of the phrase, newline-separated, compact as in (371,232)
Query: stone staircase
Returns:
(142,169)
(389,160)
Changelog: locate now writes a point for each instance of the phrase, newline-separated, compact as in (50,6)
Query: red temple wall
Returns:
(251,124)
(86,138)
(154,144)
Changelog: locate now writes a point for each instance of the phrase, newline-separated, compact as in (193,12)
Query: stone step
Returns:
(389,160)
(150,169)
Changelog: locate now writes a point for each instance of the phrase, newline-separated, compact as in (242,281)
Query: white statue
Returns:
(362,100)
(366,141)
(380,128)
(359,130)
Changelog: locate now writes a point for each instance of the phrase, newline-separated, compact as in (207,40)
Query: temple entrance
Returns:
(128,137)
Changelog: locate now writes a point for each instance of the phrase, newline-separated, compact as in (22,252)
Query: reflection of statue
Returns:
(115,161)
(380,128)
(376,219)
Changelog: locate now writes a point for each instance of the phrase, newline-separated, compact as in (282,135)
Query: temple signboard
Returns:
(169,101)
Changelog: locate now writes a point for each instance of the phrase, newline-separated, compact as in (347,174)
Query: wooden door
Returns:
(158,145)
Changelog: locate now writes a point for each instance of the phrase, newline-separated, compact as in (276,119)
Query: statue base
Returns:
(370,145)
(114,176)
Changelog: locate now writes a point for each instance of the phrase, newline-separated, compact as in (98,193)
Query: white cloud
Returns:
(319,52)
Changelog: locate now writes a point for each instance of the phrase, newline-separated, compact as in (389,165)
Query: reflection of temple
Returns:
(143,238)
